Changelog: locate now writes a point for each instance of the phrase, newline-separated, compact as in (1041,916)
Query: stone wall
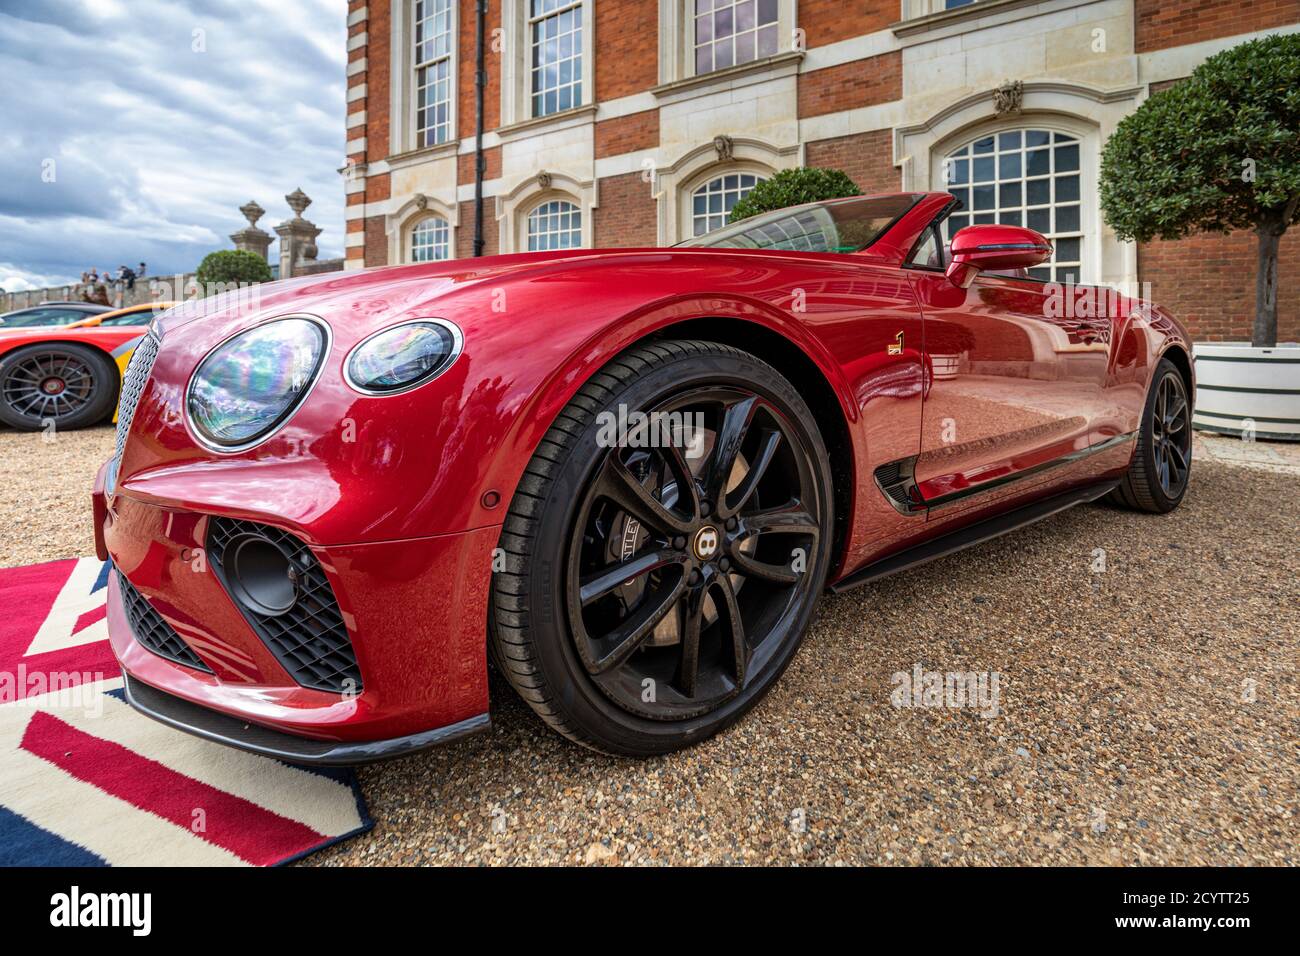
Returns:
(144,291)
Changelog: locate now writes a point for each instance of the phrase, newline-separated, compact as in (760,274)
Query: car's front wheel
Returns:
(664,550)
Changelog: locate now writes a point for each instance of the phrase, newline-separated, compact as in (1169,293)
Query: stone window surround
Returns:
(398,225)
(516,99)
(512,208)
(677,46)
(401,130)
(920,17)
(1085,112)
(675,185)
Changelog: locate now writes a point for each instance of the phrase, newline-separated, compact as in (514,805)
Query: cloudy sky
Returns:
(156,120)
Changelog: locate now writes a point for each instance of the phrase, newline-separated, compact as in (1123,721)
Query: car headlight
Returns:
(404,356)
(250,384)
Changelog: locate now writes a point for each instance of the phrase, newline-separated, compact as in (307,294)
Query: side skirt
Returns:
(973,534)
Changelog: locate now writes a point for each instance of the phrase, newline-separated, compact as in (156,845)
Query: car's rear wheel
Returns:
(1156,480)
(63,384)
(658,581)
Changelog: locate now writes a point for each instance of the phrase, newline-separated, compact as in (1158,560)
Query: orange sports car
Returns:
(69,376)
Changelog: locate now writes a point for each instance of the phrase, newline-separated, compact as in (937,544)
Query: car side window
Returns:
(34,317)
(928,252)
(135,318)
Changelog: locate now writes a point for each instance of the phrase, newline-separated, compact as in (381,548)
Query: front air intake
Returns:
(282,591)
(153,632)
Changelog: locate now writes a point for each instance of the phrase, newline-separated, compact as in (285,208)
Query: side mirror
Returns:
(979,248)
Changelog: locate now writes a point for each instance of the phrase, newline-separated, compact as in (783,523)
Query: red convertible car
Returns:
(624,476)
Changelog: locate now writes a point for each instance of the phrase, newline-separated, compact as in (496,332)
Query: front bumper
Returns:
(415,609)
(233,732)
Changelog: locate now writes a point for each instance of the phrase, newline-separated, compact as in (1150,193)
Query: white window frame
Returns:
(912,9)
(533,24)
(555,198)
(677,39)
(516,63)
(403,135)
(772,29)
(447,58)
(1090,267)
(430,218)
(719,173)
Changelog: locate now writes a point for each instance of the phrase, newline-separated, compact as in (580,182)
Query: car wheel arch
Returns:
(773,342)
(799,368)
(1183,362)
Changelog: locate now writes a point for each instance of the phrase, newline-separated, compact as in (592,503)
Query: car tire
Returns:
(545,635)
(86,378)
(1158,475)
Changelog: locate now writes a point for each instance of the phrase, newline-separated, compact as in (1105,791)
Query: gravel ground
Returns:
(45,508)
(1149,713)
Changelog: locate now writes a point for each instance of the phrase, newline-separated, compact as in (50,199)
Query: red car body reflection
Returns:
(401,497)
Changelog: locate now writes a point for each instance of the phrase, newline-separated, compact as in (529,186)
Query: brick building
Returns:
(639,122)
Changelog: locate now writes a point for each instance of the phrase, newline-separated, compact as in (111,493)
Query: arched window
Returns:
(431,240)
(555,224)
(1023,177)
(713,202)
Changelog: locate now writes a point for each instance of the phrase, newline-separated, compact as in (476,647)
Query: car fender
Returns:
(553,385)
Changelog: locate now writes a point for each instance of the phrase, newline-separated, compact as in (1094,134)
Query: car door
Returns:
(1011,389)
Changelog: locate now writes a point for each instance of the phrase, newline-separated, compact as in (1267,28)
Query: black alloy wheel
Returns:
(1157,477)
(1171,431)
(658,581)
(681,569)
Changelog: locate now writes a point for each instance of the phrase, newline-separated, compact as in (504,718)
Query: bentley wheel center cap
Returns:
(706,543)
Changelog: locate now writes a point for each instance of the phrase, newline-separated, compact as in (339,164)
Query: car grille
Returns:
(154,633)
(309,640)
(133,382)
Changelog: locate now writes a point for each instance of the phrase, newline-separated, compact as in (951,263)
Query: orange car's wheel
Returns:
(60,384)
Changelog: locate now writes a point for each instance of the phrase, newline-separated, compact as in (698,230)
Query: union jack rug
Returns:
(86,781)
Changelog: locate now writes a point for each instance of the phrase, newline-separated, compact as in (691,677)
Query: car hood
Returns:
(363,300)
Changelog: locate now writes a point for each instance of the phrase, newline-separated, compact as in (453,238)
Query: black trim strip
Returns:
(1012,246)
(1236,432)
(1246,418)
(233,732)
(1243,358)
(1067,459)
(972,534)
(1253,391)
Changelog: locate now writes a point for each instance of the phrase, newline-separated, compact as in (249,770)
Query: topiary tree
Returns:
(793,187)
(232,266)
(1217,152)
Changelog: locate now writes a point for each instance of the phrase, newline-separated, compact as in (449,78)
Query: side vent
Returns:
(897,482)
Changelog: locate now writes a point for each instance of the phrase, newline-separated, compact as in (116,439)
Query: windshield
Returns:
(848,226)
